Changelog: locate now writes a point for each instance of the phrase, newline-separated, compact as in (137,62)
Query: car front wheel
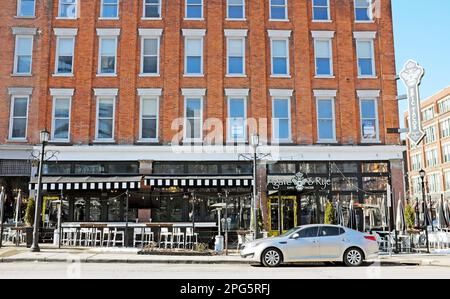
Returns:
(272,257)
(353,257)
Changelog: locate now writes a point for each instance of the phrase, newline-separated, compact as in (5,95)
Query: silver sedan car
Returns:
(313,243)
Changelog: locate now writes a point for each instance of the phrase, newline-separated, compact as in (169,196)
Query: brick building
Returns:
(433,153)
(108,78)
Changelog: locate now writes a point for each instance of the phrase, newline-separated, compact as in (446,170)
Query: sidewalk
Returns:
(50,254)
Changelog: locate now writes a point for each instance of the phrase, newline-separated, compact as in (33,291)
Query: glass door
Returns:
(283,214)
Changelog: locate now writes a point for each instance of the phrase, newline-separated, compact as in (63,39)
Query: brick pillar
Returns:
(398,182)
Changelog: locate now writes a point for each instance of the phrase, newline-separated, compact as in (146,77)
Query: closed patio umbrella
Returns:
(400,223)
(447,212)
(351,215)
(18,206)
(416,214)
(384,212)
(426,215)
(441,219)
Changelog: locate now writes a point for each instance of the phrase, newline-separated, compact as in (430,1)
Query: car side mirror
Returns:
(295,236)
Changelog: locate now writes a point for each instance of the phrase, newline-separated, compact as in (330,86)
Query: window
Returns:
(150,56)
(68,9)
(434,182)
(416,185)
(431,157)
(281,118)
(369,120)
(430,134)
(236,9)
(321,10)
(105,118)
(444,106)
(236,56)
(278,10)
(363,10)
(108,55)
(416,162)
(149,118)
(64,55)
(110,9)
(237,119)
(19,117)
(152,9)
(445,128)
(310,232)
(194,9)
(193,119)
(280,57)
(447,180)
(61,118)
(428,114)
(446,153)
(324,57)
(330,231)
(23,55)
(365,53)
(25,8)
(325,120)
(193,52)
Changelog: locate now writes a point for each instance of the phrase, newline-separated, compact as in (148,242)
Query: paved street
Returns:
(176,271)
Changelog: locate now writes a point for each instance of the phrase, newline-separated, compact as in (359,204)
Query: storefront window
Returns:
(316,168)
(85,169)
(274,214)
(312,209)
(375,183)
(123,168)
(344,167)
(114,209)
(168,168)
(205,169)
(282,168)
(95,209)
(234,168)
(80,210)
(375,168)
(56,168)
(345,184)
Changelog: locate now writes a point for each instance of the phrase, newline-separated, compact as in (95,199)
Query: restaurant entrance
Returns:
(283,214)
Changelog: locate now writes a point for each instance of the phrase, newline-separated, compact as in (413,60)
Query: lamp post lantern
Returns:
(44,138)
(255,144)
(422,174)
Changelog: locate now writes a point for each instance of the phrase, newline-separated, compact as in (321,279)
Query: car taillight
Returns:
(370,238)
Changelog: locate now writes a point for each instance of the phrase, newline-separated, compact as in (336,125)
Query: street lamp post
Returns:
(2,209)
(255,144)
(422,180)
(44,137)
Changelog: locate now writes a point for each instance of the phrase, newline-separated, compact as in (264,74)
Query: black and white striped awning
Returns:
(87,183)
(204,182)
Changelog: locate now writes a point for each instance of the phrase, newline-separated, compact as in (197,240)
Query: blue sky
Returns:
(422,32)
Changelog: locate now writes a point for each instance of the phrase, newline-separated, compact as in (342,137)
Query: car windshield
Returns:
(292,230)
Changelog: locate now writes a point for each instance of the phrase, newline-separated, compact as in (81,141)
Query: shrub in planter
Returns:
(330,214)
(29,213)
(410,216)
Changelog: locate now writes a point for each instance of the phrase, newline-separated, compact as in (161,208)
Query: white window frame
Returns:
(77,3)
(444,126)
(328,12)
(151,18)
(361,37)
(286,11)
(185,137)
(194,19)
(427,140)
(369,95)
(97,120)
(61,95)
(370,9)
(324,36)
(102,3)
(19,10)
(445,152)
(102,35)
(237,94)
(16,56)
(241,36)
(243,12)
(281,94)
(11,117)
(287,75)
(416,161)
(434,155)
(150,34)
(194,34)
(56,73)
(141,118)
(437,186)
(326,95)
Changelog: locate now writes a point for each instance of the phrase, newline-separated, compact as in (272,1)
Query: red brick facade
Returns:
(171,79)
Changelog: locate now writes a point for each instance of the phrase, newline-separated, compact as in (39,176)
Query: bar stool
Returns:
(149,236)
(190,235)
(178,237)
(106,237)
(116,233)
(97,237)
(138,232)
(167,236)
(85,236)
